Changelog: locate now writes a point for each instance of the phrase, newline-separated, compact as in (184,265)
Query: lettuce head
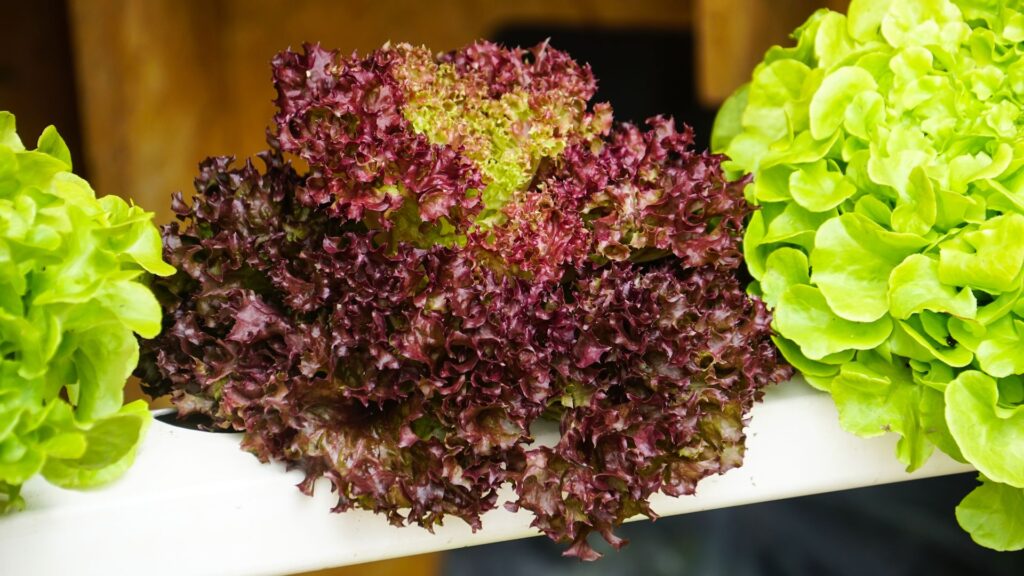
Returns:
(887,149)
(71,301)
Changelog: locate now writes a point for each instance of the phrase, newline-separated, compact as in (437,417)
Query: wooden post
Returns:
(732,36)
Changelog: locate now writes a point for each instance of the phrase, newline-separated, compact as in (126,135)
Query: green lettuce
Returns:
(72,299)
(888,158)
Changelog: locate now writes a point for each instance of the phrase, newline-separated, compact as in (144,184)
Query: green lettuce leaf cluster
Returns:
(888,158)
(70,303)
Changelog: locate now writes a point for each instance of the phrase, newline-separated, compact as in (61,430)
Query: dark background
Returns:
(905,529)
(642,73)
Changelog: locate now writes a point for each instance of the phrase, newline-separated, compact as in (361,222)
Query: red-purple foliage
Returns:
(541,69)
(345,119)
(411,376)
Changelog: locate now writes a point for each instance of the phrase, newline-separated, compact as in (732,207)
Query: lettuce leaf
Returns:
(993,514)
(885,150)
(72,299)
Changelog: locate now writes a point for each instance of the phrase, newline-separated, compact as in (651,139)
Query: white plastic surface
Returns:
(195,504)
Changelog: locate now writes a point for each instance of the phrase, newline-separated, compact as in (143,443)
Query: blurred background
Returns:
(143,90)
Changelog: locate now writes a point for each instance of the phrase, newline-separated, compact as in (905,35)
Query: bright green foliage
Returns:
(70,300)
(994,515)
(505,136)
(887,149)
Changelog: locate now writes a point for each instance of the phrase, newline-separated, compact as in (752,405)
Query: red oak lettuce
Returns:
(473,248)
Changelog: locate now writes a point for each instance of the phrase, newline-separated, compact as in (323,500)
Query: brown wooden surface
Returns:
(36,74)
(732,36)
(422,565)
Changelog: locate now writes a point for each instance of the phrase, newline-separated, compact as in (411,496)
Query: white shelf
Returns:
(195,504)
